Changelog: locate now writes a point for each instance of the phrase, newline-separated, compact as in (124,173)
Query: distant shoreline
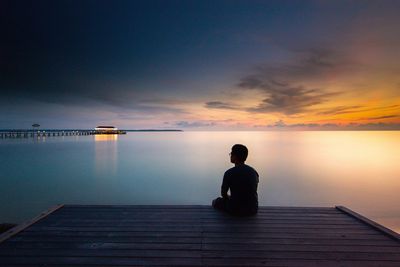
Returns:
(154,130)
(53,130)
(178,130)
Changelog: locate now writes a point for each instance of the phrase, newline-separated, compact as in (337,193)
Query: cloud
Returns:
(373,126)
(310,125)
(356,109)
(340,110)
(283,97)
(284,87)
(281,125)
(221,105)
(251,82)
(384,117)
(306,64)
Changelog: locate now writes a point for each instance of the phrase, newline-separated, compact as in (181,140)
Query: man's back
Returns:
(242,181)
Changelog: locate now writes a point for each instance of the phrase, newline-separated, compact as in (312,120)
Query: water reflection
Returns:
(106,156)
(105,137)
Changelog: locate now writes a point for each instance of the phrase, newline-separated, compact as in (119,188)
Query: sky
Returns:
(200,65)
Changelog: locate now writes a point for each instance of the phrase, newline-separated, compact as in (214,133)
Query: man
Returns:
(242,181)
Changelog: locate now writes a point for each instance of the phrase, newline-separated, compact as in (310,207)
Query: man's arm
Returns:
(225,187)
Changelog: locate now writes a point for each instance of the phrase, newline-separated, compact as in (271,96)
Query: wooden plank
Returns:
(279,238)
(175,216)
(217,229)
(84,239)
(370,223)
(216,236)
(220,229)
(268,248)
(215,244)
(246,228)
(191,207)
(199,221)
(201,209)
(230,244)
(183,219)
(15,230)
(141,253)
(54,221)
(296,234)
(268,263)
(206,224)
(204,209)
(299,255)
(102,261)
(193,240)
(179,218)
(138,215)
(295,208)
(267,220)
(100,246)
(192,215)
(211,262)
(276,225)
(119,229)
(198,212)
(150,207)
(115,234)
(259,250)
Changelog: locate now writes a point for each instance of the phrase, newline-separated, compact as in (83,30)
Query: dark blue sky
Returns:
(197,64)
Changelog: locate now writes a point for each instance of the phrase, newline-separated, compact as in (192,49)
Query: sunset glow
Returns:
(269,65)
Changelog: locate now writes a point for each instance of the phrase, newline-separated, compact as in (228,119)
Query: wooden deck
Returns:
(76,235)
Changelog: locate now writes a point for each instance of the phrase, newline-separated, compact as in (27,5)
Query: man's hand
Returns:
(224,193)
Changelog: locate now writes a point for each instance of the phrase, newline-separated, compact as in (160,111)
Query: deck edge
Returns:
(388,232)
(133,206)
(20,227)
(184,207)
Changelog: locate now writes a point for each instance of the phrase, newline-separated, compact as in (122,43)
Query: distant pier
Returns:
(51,133)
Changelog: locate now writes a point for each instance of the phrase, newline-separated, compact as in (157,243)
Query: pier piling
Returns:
(51,133)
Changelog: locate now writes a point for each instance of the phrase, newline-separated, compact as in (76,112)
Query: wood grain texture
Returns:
(122,235)
(370,223)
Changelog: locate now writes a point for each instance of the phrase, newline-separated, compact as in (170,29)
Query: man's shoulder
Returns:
(251,169)
(230,171)
(240,168)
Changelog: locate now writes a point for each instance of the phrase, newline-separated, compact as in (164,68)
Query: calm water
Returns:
(360,170)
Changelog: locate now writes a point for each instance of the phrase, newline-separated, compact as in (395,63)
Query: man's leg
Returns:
(220,203)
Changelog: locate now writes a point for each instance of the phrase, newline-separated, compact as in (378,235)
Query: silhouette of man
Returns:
(242,181)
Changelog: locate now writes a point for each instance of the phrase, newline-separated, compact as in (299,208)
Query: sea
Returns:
(356,169)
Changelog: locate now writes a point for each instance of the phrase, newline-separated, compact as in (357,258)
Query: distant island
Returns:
(112,129)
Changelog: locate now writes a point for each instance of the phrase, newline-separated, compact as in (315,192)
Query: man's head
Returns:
(239,154)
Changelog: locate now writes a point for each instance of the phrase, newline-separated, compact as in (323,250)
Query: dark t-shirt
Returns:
(242,180)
